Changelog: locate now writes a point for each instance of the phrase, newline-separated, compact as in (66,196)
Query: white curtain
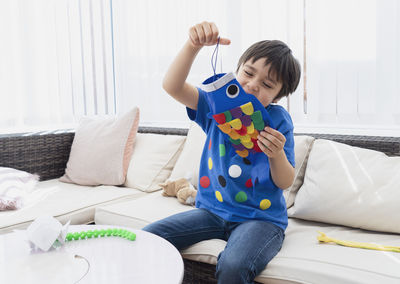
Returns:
(149,33)
(55,63)
(63,59)
(352,68)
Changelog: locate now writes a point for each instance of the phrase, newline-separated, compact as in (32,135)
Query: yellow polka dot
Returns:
(265,204)
(218,196)
(210,164)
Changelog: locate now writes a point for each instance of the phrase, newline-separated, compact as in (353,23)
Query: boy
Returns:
(254,230)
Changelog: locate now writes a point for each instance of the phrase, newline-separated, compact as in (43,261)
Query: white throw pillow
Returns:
(153,158)
(302,148)
(101,150)
(188,164)
(350,186)
(14,186)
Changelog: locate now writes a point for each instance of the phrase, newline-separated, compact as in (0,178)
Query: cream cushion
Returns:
(302,148)
(188,163)
(138,213)
(350,186)
(101,150)
(64,201)
(153,158)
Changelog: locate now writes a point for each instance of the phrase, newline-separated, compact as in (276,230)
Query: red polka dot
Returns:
(249,183)
(204,182)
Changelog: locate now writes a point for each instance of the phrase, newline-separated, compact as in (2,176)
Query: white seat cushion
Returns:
(301,260)
(65,202)
(138,213)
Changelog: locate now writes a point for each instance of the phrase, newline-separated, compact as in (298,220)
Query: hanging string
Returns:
(214,61)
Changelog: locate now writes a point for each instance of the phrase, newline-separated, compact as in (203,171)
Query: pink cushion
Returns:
(102,149)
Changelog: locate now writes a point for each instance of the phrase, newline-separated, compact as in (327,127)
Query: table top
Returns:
(148,259)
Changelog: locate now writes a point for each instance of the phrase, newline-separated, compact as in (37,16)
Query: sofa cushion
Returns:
(138,213)
(350,186)
(301,260)
(65,202)
(101,150)
(153,158)
(188,163)
(302,148)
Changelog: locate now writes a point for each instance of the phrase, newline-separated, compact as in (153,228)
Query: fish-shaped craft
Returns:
(240,116)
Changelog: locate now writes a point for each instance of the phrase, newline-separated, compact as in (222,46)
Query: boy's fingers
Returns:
(193,37)
(207,32)
(224,41)
(215,32)
(200,33)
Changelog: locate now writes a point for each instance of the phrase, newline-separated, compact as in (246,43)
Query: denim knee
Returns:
(232,270)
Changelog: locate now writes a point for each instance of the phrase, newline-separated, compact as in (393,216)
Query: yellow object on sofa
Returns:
(324,238)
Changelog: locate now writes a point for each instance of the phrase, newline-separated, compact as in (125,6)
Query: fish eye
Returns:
(232,91)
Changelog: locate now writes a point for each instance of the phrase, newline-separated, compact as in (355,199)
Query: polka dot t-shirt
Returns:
(225,186)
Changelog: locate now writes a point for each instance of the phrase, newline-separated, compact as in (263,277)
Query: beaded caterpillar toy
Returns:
(100,233)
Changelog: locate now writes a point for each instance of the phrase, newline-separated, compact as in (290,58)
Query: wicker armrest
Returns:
(42,154)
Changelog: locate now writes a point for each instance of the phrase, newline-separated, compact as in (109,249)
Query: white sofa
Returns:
(302,258)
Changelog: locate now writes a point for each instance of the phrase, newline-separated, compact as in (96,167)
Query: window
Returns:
(64,59)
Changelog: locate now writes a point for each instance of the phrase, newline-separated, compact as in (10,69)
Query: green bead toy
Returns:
(100,233)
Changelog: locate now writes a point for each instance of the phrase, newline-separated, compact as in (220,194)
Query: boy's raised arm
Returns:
(174,82)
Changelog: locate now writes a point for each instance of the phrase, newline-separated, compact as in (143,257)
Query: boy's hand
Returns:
(205,33)
(271,142)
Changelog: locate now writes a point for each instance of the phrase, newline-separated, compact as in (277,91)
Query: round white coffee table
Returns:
(148,259)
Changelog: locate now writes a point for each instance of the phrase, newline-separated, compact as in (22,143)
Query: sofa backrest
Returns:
(47,153)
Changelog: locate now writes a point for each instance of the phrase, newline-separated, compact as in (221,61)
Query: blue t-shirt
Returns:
(225,186)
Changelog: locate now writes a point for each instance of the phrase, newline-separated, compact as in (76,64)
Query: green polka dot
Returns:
(241,196)
(221,150)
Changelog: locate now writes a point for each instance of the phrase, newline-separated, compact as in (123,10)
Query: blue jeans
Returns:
(250,245)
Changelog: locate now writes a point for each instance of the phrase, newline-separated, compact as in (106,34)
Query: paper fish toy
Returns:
(240,117)
(46,232)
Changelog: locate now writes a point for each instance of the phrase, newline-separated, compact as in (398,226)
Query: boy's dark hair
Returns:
(285,66)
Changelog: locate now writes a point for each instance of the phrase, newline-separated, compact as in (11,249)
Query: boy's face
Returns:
(253,77)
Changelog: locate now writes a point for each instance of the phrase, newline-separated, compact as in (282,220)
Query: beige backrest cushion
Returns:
(153,158)
(101,150)
(188,164)
(350,186)
(302,148)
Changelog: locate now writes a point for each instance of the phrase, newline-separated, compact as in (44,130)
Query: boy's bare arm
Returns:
(175,79)
(271,142)
(174,82)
